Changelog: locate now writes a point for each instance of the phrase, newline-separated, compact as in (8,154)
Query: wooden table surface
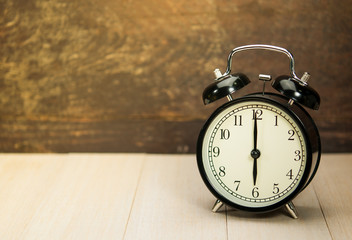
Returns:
(142,196)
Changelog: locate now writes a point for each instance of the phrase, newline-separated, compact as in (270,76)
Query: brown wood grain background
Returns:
(127,76)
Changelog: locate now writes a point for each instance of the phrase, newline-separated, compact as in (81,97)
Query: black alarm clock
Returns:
(257,152)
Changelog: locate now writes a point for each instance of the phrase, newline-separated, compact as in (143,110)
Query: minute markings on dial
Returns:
(213,139)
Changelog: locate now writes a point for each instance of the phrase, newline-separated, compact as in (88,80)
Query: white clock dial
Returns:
(254,153)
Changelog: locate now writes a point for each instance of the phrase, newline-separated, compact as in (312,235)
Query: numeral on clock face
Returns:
(237,185)
(224,134)
(291,133)
(238,120)
(216,151)
(257,112)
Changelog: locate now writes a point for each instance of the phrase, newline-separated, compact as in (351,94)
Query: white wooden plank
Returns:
(75,196)
(90,196)
(277,225)
(333,186)
(173,203)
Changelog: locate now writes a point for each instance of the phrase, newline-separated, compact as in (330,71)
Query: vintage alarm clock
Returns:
(256,153)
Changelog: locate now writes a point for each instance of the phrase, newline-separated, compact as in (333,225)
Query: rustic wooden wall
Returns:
(127,76)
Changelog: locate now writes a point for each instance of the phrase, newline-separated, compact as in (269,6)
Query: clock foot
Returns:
(218,204)
(292,210)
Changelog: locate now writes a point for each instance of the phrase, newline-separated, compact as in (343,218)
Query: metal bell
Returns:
(224,86)
(298,91)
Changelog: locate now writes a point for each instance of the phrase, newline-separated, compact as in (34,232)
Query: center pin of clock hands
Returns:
(255,153)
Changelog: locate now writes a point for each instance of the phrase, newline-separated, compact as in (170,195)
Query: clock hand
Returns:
(255,132)
(255,153)
(255,171)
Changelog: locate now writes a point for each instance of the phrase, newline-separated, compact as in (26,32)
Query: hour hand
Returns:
(255,155)
(255,171)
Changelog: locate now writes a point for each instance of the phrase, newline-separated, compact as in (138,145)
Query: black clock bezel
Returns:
(281,103)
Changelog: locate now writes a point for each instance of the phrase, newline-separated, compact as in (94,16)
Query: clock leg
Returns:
(218,204)
(292,210)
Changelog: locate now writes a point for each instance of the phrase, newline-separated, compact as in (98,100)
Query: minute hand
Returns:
(255,132)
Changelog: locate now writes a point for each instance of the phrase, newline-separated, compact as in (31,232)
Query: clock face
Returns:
(253,154)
